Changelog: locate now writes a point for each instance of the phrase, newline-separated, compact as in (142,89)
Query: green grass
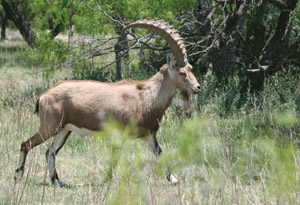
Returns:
(221,154)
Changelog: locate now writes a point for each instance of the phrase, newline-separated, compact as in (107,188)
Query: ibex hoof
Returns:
(18,176)
(59,183)
(172,179)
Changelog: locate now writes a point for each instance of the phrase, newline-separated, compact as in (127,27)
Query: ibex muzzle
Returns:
(84,106)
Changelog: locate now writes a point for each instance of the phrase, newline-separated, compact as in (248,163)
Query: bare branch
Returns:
(280,4)
(119,22)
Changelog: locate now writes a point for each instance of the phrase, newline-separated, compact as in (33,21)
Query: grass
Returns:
(245,156)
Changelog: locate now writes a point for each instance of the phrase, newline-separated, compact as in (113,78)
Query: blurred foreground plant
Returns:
(240,151)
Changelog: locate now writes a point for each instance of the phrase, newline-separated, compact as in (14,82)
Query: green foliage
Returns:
(52,52)
(270,159)
(223,153)
(48,14)
(196,143)
(287,119)
(119,140)
(89,20)
(48,54)
(257,152)
(220,97)
(85,70)
(255,155)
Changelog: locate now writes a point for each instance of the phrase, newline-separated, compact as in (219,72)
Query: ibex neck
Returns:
(159,90)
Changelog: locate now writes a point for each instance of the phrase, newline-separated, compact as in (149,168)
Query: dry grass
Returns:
(223,165)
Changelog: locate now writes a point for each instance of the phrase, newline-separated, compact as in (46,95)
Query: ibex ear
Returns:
(170,60)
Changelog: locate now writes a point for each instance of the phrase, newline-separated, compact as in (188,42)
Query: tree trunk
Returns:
(121,44)
(3,26)
(71,34)
(72,29)
(223,52)
(119,59)
(221,39)
(268,56)
(13,13)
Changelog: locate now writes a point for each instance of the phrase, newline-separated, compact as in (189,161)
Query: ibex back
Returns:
(83,106)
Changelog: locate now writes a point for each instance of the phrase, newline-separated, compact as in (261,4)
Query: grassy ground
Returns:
(247,157)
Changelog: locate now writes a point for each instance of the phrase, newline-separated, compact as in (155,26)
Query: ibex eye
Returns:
(183,74)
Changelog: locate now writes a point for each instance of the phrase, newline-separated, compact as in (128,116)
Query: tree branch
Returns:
(274,44)
(234,20)
(259,29)
(120,22)
(280,4)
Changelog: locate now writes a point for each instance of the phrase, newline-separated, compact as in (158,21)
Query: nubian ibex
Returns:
(84,106)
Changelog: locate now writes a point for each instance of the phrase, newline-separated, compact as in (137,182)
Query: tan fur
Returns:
(87,104)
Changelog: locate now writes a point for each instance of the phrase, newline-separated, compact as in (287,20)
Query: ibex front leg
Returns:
(155,148)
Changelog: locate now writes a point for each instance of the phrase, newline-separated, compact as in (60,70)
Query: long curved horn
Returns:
(168,33)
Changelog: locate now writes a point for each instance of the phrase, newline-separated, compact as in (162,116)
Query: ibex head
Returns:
(182,76)
(178,67)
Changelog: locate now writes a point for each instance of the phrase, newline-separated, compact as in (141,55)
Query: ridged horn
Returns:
(168,33)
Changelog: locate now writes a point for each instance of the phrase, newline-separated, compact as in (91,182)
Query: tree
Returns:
(235,38)
(247,39)
(269,54)
(119,12)
(55,16)
(3,20)
(13,13)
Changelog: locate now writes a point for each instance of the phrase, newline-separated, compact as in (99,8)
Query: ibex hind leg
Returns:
(27,145)
(58,142)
